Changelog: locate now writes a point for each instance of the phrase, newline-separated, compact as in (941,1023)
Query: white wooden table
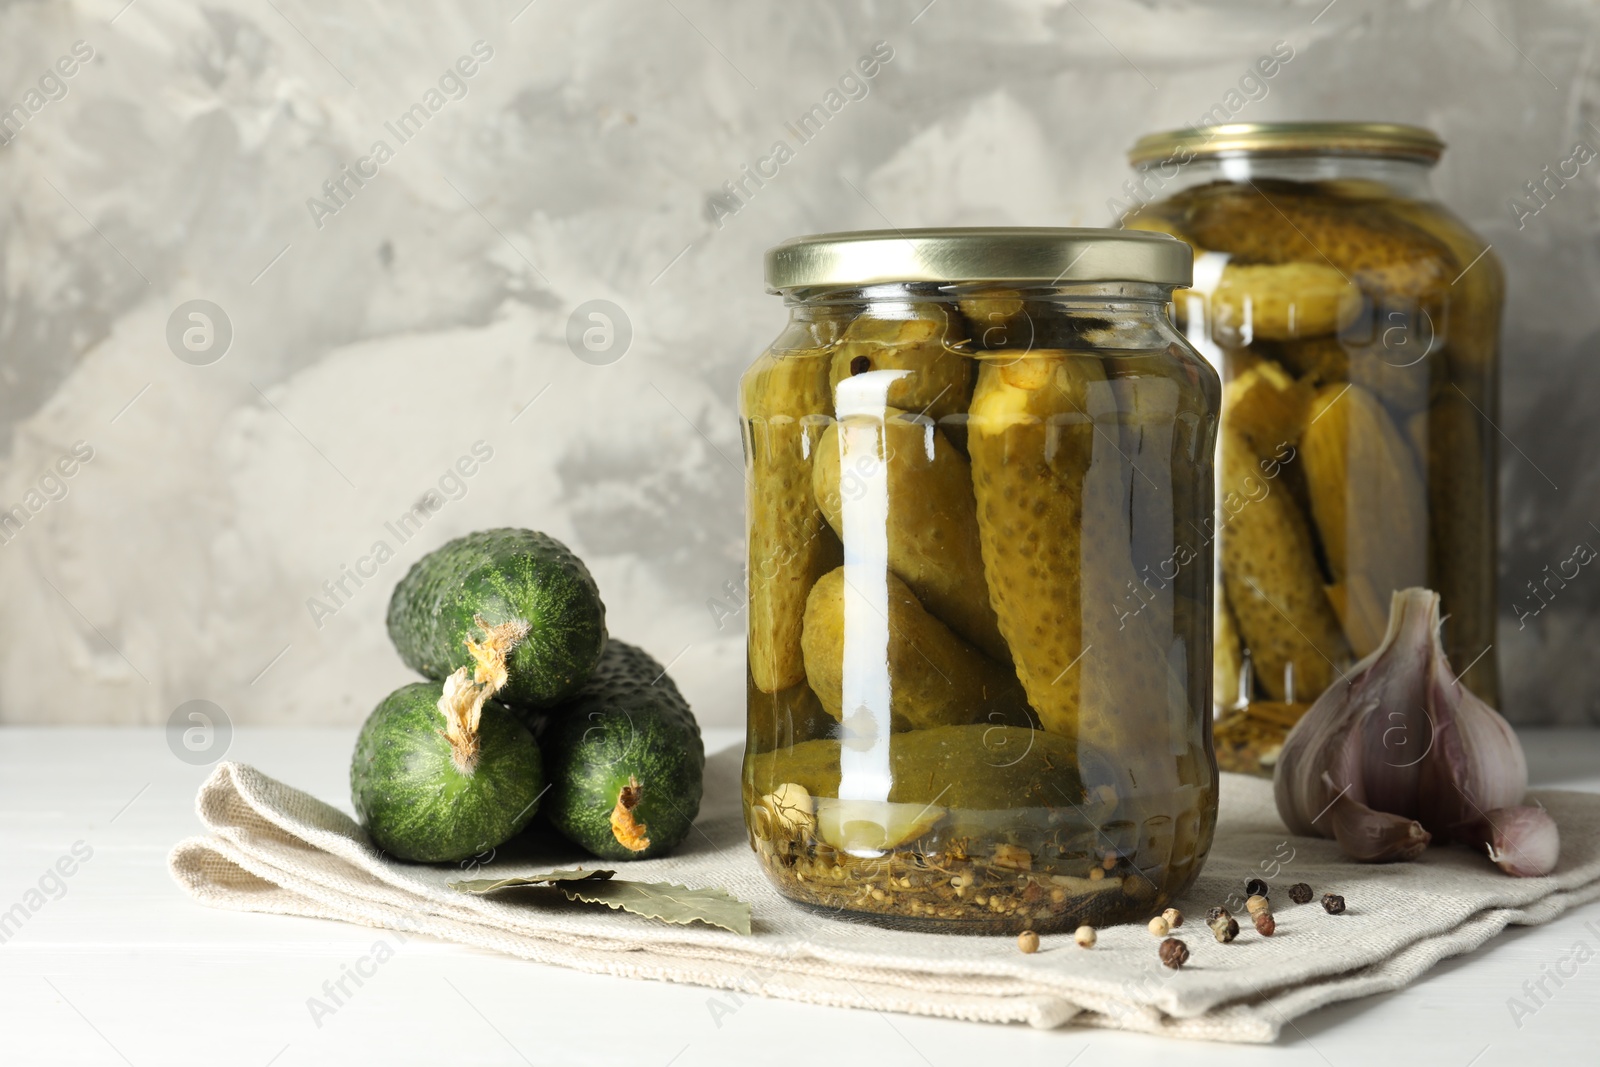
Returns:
(113,964)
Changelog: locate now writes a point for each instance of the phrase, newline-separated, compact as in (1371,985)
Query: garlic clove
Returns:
(790,807)
(1397,733)
(1369,836)
(1477,764)
(1520,840)
(869,827)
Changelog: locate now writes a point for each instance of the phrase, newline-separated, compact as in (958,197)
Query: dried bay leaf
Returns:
(653,900)
(665,901)
(480,886)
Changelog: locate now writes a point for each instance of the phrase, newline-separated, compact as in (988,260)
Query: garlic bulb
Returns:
(1399,753)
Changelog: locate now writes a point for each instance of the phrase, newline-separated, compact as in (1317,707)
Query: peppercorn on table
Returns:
(104,960)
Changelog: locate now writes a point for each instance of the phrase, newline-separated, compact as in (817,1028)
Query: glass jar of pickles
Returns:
(979,478)
(1356,324)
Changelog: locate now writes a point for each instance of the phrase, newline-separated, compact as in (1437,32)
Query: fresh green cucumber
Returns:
(625,760)
(436,787)
(516,605)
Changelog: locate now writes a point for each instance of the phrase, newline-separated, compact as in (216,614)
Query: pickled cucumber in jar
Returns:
(785,402)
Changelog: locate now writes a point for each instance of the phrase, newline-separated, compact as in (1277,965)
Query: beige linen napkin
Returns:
(272,848)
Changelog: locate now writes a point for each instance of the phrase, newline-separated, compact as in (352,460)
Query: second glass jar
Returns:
(979,477)
(1356,324)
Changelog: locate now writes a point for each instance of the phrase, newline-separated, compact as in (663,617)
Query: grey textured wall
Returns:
(376,338)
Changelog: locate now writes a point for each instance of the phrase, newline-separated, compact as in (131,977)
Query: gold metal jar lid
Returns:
(973,254)
(1383,140)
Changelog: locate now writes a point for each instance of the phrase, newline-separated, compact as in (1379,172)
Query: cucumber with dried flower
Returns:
(624,758)
(515,606)
(442,773)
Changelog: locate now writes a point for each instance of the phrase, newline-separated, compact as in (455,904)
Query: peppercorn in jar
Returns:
(1356,325)
(970,705)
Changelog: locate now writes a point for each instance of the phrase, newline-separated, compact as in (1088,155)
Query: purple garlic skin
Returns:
(1521,841)
(1399,753)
